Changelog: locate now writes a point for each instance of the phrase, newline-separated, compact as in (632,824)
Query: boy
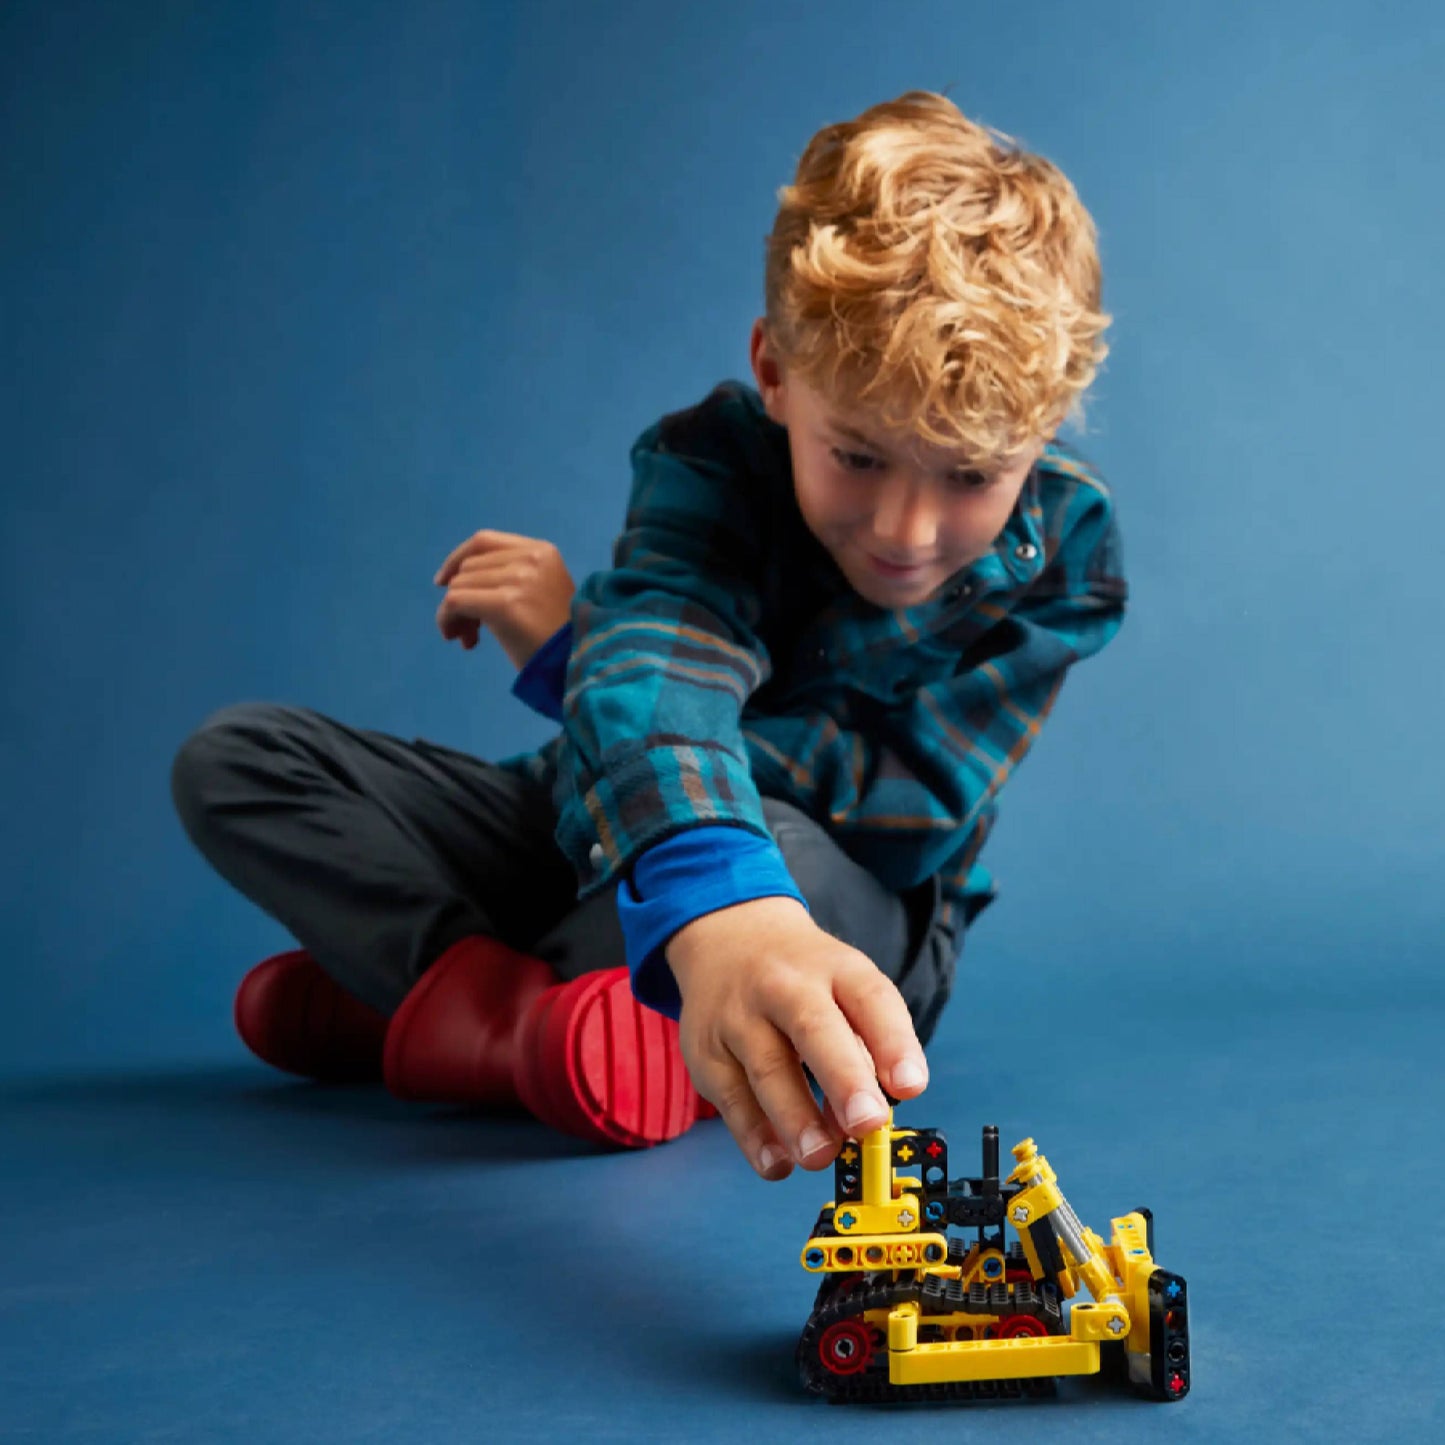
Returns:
(842,605)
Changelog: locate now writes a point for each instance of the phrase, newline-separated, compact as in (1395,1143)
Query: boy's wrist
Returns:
(689,948)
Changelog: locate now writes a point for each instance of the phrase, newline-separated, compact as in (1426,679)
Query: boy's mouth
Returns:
(893,569)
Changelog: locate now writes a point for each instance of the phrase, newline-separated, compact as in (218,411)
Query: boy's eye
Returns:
(970,481)
(854,461)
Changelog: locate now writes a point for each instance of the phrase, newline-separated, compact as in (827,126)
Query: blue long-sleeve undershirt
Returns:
(692,873)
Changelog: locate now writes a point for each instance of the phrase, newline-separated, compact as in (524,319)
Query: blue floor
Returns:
(213,1253)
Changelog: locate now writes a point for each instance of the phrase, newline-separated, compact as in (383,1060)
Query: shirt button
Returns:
(1026,551)
(595,855)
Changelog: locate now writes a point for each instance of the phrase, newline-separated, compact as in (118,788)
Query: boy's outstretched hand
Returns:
(765,991)
(518,588)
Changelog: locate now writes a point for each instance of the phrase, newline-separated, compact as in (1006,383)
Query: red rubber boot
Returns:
(453,1038)
(291,1014)
(487,1025)
(593,1062)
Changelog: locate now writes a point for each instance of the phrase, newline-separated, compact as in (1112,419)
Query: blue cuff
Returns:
(544,679)
(679,880)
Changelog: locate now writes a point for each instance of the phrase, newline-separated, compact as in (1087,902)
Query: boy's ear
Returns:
(768,373)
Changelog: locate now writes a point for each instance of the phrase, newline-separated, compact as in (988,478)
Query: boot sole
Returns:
(593,1062)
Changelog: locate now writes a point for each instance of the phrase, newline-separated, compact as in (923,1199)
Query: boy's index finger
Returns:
(829,1047)
(483,541)
(877,1011)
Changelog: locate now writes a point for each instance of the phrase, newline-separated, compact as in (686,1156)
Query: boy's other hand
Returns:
(765,991)
(518,588)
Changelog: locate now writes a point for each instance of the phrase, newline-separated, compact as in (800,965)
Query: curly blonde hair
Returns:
(926,267)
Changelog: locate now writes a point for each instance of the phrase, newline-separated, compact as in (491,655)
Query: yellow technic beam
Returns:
(872,1251)
(877,1183)
(895,1216)
(1022,1358)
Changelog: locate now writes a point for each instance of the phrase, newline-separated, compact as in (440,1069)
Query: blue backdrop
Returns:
(297,296)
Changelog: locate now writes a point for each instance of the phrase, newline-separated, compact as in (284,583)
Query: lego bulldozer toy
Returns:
(906,1312)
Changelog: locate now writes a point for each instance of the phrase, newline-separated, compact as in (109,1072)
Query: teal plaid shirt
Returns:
(724,656)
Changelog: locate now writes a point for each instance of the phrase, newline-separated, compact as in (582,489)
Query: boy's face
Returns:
(898,515)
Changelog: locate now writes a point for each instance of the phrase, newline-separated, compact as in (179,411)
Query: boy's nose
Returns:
(905,523)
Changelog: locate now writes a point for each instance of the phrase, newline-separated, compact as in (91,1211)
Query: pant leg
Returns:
(901,933)
(377,854)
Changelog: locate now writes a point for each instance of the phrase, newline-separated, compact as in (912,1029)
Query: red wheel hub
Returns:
(846,1347)
(1013,1326)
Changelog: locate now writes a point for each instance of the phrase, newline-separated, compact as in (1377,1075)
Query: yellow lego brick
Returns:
(1031,1206)
(1131,1236)
(895,1216)
(1026,1357)
(903,1328)
(832,1254)
(1107,1321)
(877,1168)
(983,1266)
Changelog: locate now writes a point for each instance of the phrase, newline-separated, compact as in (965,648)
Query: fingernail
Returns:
(769,1157)
(811,1140)
(862,1109)
(910,1074)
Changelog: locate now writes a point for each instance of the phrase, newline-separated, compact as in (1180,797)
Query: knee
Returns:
(225,739)
(843,897)
(807,849)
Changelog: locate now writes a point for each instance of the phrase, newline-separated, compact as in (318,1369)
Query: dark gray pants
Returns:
(377,854)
